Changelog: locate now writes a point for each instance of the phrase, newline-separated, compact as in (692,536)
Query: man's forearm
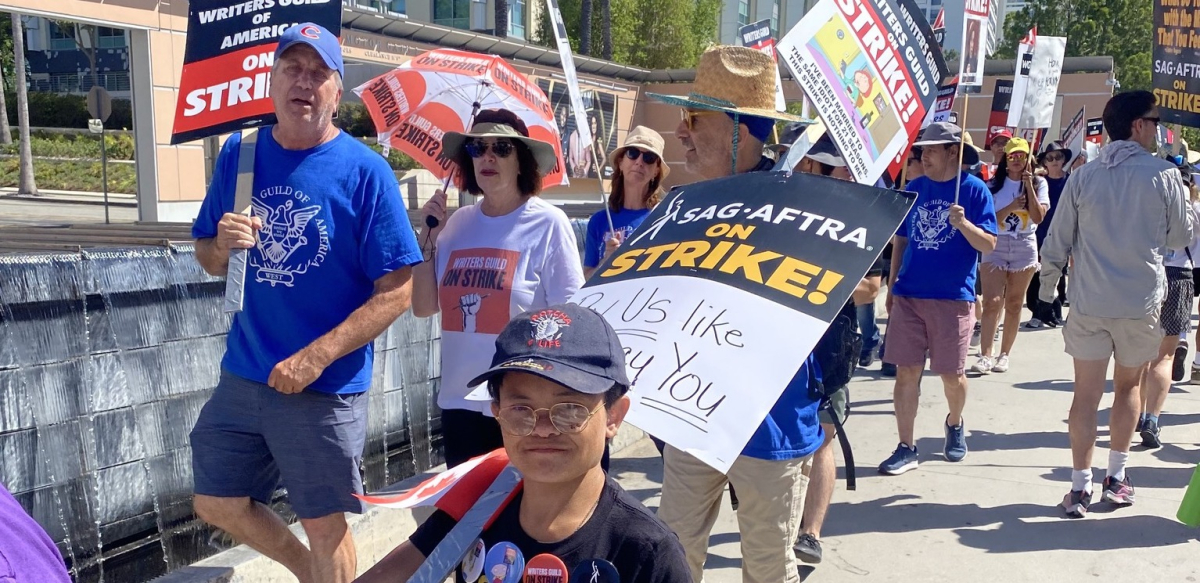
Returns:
(899,245)
(365,324)
(212,258)
(982,241)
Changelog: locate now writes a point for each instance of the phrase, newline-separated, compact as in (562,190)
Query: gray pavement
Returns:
(53,209)
(993,516)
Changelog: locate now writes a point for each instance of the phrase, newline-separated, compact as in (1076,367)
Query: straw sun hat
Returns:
(543,152)
(642,138)
(734,80)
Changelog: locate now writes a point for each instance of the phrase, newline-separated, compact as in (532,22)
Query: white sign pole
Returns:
(581,120)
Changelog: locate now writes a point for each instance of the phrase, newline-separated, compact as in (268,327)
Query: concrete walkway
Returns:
(991,517)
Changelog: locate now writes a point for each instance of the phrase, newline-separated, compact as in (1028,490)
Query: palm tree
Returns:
(5,130)
(25,184)
(585,27)
(606,28)
(502,18)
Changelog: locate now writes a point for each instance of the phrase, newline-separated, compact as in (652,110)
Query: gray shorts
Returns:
(249,436)
(838,401)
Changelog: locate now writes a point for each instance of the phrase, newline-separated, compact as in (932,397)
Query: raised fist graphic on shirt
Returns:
(469,306)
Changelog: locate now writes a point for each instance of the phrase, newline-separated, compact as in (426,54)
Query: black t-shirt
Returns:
(620,531)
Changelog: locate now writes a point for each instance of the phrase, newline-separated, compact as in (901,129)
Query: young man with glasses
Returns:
(1117,218)
(558,389)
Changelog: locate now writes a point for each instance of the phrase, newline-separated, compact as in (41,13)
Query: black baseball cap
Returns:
(569,344)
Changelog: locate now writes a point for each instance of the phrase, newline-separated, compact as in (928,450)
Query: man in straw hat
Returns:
(931,300)
(726,118)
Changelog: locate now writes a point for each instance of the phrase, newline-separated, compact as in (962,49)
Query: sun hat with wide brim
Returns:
(825,152)
(1056,146)
(733,80)
(543,153)
(645,139)
(970,156)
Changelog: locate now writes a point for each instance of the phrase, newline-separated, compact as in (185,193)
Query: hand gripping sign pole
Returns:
(962,143)
(235,277)
(581,121)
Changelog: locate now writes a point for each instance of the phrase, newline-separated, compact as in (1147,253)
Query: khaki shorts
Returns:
(1133,342)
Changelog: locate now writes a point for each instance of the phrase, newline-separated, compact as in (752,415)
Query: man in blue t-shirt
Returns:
(931,299)
(328,269)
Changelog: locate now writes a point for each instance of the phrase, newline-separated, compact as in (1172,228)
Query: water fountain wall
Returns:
(106,358)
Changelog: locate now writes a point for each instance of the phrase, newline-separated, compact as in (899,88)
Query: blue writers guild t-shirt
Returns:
(624,221)
(939,263)
(333,223)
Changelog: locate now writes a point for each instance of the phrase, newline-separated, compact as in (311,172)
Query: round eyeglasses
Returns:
(520,420)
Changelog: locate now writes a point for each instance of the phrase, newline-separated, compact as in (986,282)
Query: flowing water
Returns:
(106,358)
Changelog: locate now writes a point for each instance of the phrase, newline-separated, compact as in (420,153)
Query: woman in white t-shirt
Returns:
(1021,200)
(511,253)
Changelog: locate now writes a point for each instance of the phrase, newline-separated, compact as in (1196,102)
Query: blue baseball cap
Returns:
(568,344)
(319,38)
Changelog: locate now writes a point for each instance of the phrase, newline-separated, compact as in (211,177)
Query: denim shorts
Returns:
(1013,254)
(249,437)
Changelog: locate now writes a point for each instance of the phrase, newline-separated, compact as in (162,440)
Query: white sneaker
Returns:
(1001,364)
(983,366)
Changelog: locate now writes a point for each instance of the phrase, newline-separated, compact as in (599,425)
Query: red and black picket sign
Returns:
(228,57)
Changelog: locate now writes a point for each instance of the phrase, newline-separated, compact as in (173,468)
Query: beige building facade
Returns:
(172,178)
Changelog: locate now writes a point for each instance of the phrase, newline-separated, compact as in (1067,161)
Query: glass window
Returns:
(454,13)
(516,18)
(61,40)
(743,12)
(109,38)
(775,19)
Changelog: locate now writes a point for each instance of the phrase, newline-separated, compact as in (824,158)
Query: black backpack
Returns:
(837,355)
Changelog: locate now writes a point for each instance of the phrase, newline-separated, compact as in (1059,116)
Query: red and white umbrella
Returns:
(440,91)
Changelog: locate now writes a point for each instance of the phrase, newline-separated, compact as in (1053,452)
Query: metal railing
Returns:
(82,82)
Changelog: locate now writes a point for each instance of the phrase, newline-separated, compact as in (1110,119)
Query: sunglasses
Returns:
(689,117)
(478,148)
(1018,156)
(520,420)
(647,157)
(1055,157)
(1156,120)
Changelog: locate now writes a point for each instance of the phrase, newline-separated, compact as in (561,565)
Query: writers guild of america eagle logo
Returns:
(932,225)
(288,243)
(548,327)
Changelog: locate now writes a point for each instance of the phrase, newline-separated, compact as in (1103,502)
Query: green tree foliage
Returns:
(642,33)
(1122,29)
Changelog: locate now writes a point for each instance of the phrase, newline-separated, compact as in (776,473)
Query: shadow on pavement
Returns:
(1165,478)
(979,440)
(1064,385)
(906,513)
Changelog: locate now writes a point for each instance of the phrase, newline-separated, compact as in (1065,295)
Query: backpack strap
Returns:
(843,441)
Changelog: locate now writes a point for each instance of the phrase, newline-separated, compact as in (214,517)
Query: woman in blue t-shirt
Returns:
(638,172)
